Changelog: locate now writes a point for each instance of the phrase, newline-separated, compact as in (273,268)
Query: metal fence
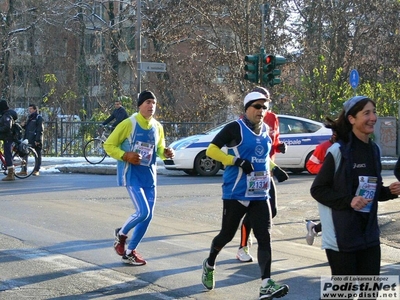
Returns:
(68,139)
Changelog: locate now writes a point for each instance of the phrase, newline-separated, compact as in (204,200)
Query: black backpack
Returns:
(17,131)
(6,124)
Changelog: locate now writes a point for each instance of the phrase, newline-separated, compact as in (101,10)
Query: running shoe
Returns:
(311,234)
(273,290)
(119,243)
(207,278)
(133,258)
(243,254)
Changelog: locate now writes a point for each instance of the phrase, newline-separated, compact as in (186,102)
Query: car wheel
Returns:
(206,166)
(190,172)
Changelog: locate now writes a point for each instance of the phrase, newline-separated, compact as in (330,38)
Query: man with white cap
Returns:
(246,182)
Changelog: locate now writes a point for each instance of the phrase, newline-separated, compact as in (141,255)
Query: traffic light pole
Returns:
(138,47)
(264,15)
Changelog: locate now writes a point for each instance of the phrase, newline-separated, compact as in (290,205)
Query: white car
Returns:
(301,136)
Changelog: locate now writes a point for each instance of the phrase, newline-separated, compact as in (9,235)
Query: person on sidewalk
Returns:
(7,117)
(348,188)
(246,181)
(34,134)
(313,166)
(135,143)
(119,114)
(271,119)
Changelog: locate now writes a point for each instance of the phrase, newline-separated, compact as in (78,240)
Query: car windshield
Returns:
(293,126)
(217,129)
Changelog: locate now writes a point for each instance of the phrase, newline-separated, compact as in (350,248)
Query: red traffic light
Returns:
(268,59)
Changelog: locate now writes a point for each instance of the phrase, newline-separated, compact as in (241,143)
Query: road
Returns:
(56,235)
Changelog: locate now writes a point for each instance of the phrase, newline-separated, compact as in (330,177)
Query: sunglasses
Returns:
(258,106)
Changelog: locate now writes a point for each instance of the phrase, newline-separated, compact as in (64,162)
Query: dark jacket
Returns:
(345,229)
(397,169)
(118,114)
(34,129)
(5,133)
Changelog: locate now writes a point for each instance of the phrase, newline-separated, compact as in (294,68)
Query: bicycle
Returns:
(93,151)
(24,165)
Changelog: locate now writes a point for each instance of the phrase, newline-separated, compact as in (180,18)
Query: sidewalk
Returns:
(80,165)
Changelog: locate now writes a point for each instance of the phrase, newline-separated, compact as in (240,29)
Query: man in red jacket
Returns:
(316,160)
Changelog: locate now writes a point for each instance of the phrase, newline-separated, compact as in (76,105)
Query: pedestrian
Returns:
(7,119)
(34,134)
(135,142)
(348,188)
(246,182)
(119,114)
(313,165)
(271,119)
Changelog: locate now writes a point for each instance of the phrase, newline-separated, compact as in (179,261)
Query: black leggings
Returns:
(246,225)
(258,214)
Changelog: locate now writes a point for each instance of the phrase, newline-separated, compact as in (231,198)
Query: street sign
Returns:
(354,78)
(153,67)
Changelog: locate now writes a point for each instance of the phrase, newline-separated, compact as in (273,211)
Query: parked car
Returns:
(300,134)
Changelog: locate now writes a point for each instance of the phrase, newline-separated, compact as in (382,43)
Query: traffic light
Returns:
(267,66)
(271,74)
(251,68)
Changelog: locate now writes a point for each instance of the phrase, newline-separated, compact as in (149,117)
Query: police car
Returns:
(300,134)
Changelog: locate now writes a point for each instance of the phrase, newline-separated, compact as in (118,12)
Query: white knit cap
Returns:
(253,96)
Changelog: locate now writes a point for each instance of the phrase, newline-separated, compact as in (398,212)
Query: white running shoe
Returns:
(311,234)
(244,255)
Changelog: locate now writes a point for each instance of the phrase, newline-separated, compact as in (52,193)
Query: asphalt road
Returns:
(56,240)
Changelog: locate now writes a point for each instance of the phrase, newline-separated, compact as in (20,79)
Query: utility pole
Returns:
(138,46)
(264,20)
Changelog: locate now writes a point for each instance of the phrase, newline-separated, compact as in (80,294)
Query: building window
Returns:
(94,43)
(94,76)
(129,37)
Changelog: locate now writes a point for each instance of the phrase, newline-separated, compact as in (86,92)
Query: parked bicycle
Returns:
(93,151)
(23,164)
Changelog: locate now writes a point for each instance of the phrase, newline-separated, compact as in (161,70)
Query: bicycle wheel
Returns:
(24,165)
(94,152)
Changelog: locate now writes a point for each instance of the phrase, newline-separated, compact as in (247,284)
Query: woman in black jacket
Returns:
(348,188)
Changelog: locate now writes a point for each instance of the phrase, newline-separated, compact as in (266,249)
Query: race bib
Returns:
(367,189)
(145,150)
(257,183)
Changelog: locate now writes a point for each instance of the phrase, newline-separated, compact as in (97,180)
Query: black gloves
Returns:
(282,147)
(245,165)
(280,174)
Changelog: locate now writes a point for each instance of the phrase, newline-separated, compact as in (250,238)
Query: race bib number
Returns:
(257,183)
(367,189)
(146,151)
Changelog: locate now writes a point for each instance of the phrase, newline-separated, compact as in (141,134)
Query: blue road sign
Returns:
(354,78)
